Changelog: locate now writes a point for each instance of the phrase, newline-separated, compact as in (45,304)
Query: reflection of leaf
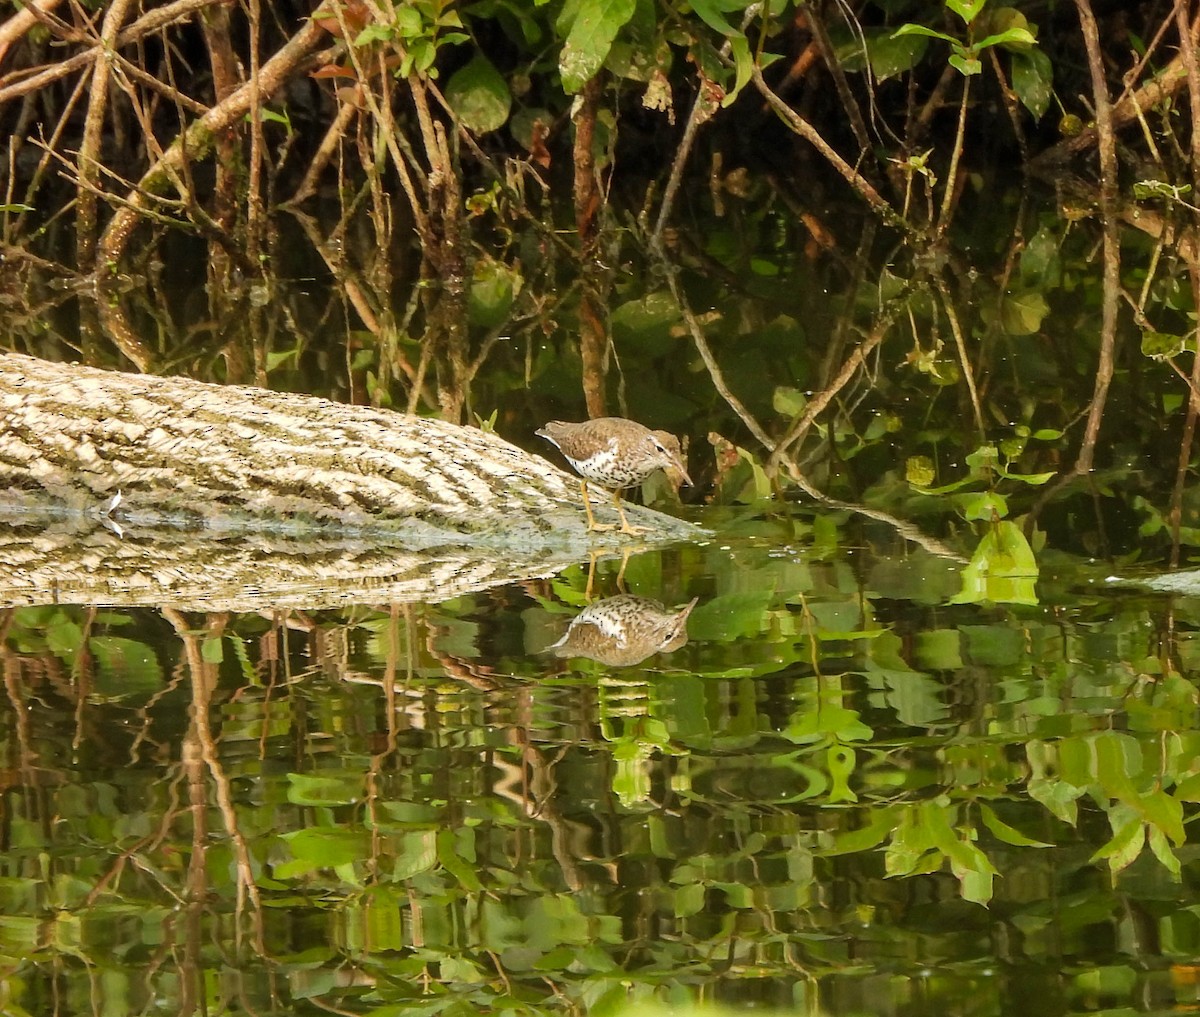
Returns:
(308,789)
(689,899)
(322,848)
(1003,569)
(879,822)
(730,616)
(1126,844)
(1002,831)
(840,759)
(454,863)
(124,665)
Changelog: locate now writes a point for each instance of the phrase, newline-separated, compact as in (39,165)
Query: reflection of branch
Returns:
(536,796)
(907,530)
(201,737)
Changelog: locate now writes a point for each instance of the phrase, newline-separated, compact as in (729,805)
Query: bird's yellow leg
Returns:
(633,531)
(587,507)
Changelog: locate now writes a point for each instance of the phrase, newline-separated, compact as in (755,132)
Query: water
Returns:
(879,768)
(842,794)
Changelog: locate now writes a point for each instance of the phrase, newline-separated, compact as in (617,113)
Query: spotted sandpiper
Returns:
(616,454)
(624,630)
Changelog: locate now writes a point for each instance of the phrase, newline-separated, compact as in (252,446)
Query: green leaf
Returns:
(1164,345)
(966,9)
(1023,313)
(762,483)
(965,64)
(985,505)
(1163,813)
(409,22)
(891,53)
(743,63)
(494,287)
(710,12)
(787,401)
(479,95)
(270,116)
(591,36)
(1009,37)
(911,29)
(1033,80)
(373,33)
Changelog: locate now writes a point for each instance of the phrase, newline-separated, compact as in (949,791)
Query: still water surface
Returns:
(822,787)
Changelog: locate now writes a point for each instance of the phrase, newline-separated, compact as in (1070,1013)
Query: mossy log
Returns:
(112,472)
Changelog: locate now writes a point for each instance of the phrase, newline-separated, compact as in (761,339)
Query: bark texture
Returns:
(80,561)
(183,454)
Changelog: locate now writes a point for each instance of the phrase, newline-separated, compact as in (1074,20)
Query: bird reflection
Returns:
(624,630)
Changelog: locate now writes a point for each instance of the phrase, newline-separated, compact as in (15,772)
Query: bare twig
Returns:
(861,186)
(21,22)
(1112,252)
(93,127)
(197,139)
(32,80)
(710,361)
(963,358)
(1187,52)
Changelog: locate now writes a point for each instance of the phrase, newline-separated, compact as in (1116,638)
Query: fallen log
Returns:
(109,471)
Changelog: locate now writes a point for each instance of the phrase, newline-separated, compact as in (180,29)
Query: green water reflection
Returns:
(841,794)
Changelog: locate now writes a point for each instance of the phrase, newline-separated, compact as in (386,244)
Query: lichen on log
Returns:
(186,454)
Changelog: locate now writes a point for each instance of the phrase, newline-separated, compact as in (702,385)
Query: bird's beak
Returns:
(677,467)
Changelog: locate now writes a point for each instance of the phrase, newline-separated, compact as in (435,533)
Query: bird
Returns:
(624,630)
(616,454)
